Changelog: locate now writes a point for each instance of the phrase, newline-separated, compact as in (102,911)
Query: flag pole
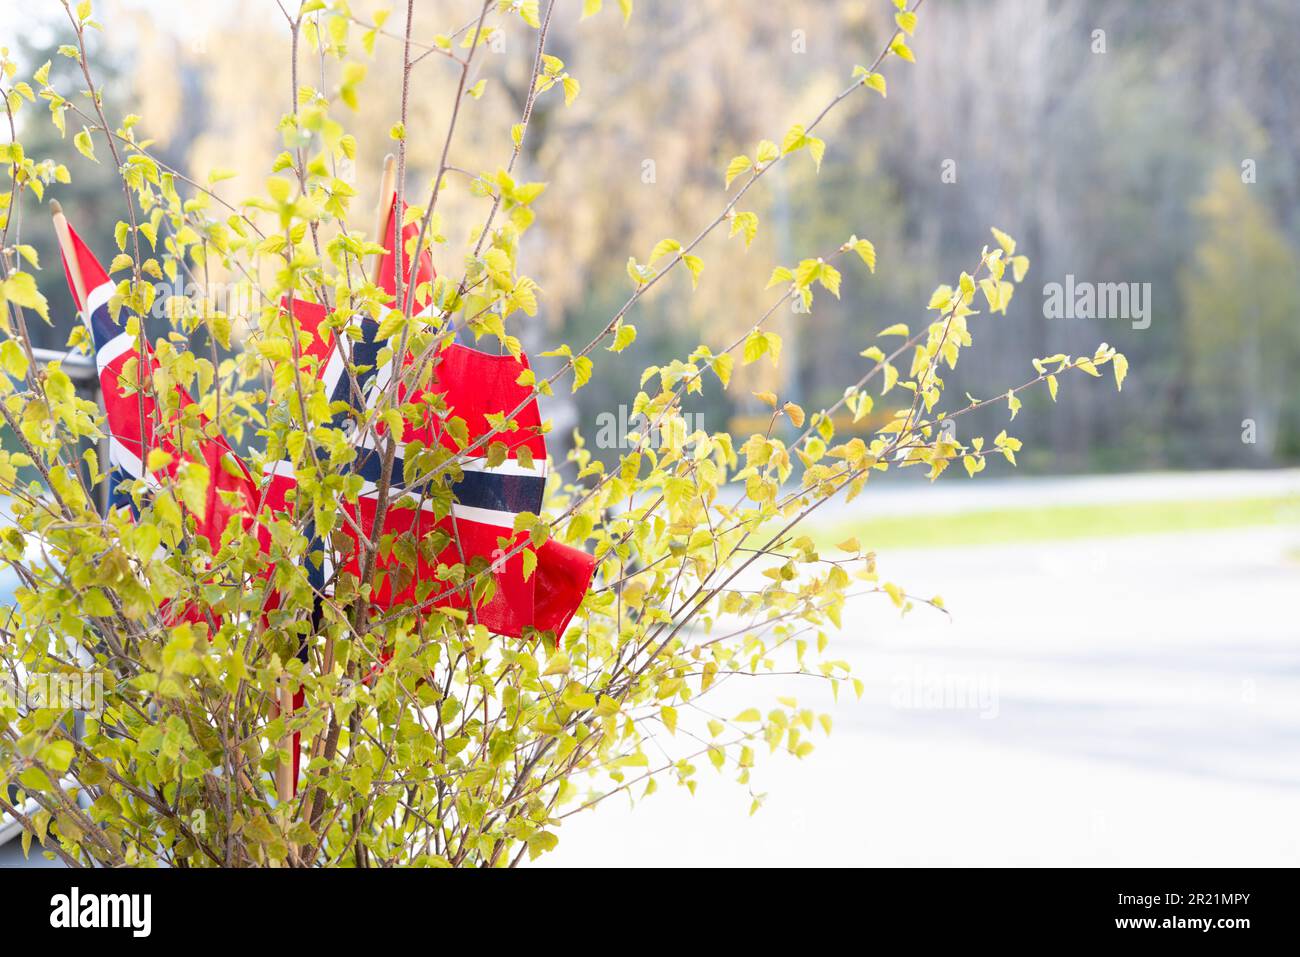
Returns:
(64,236)
(284,771)
(383,209)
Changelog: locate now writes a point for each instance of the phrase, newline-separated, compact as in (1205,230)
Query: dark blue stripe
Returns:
(492,490)
(315,572)
(364,352)
(118,495)
(502,493)
(102,327)
(370,465)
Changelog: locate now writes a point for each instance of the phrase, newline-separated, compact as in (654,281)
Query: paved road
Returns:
(910,493)
(1114,702)
(1124,701)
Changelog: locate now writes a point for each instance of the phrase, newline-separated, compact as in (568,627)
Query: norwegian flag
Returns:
(477,521)
(136,422)
(136,425)
(478,518)
(332,358)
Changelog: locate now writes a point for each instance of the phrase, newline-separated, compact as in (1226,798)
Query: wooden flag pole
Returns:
(64,236)
(284,772)
(383,208)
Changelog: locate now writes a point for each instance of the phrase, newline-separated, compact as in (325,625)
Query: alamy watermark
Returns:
(55,691)
(626,430)
(133,912)
(1128,301)
(926,689)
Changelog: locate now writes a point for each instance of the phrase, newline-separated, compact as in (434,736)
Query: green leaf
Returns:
(795,139)
(900,49)
(818,149)
(1120,364)
(865,250)
(746,223)
(624,336)
(13,359)
(193,486)
(780,274)
(872,81)
(20,288)
(668,716)
(696,265)
(58,755)
(663,248)
(581,372)
(738,165)
(558,664)
(571,90)
(83,144)
(941,298)
(722,366)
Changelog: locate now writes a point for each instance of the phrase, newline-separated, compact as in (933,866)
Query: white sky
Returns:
(185,18)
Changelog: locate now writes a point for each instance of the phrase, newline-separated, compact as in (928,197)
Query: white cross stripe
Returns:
(96,298)
(333,369)
(384,374)
(113,349)
(484,516)
(508,467)
(511,466)
(122,457)
(371,489)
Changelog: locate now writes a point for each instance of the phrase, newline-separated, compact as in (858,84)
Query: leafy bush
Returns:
(425,738)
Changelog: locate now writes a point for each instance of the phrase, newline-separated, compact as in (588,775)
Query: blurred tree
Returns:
(1092,156)
(399,605)
(1242,346)
(96,192)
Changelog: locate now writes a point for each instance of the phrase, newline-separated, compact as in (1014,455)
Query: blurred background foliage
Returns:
(1129,165)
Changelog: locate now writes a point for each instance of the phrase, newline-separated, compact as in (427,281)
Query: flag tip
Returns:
(56,208)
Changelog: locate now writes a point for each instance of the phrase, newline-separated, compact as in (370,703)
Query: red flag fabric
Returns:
(479,521)
(563,577)
(388,262)
(126,367)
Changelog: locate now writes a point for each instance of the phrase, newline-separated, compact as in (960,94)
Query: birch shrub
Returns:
(425,740)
